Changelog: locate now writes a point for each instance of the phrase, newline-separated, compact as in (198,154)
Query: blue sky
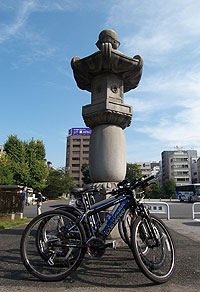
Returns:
(39,98)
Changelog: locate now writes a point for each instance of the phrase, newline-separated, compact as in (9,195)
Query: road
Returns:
(116,271)
(177,209)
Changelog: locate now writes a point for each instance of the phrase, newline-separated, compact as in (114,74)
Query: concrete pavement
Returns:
(187,227)
(115,271)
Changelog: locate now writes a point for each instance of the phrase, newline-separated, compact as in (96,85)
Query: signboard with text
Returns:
(80,132)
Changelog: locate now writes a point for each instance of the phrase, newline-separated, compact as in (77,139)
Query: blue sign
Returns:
(80,132)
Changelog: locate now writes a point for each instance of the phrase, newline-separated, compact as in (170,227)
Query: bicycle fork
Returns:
(150,232)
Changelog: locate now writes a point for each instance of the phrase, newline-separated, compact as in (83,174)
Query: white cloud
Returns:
(21,11)
(180,129)
(161,29)
(169,107)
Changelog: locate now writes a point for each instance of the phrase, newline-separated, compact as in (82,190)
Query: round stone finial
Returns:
(108,36)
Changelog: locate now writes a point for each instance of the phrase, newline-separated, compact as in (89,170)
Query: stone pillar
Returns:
(107,74)
(107,154)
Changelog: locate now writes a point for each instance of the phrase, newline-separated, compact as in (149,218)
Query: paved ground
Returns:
(187,227)
(116,271)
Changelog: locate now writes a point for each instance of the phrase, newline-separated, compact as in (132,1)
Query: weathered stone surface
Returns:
(107,105)
(107,74)
(107,154)
(85,69)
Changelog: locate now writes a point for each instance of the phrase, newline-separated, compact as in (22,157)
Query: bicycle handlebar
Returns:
(126,185)
(143,181)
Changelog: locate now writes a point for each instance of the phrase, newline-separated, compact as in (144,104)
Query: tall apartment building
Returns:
(77,152)
(180,165)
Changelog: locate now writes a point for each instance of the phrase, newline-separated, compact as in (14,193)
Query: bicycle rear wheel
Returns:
(52,245)
(156,261)
(124,226)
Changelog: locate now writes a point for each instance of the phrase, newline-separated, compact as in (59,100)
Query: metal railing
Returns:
(158,208)
(194,212)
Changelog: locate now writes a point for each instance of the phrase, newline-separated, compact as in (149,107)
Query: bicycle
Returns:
(54,243)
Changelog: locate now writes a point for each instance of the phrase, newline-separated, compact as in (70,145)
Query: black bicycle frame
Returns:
(121,203)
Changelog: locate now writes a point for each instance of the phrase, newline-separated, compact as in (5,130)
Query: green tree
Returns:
(154,191)
(6,175)
(16,151)
(169,188)
(86,173)
(27,161)
(58,183)
(38,169)
(133,171)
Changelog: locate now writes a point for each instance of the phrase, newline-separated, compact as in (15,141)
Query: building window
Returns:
(85,158)
(75,152)
(183,179)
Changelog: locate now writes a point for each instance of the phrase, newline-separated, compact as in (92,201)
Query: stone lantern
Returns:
(107,74)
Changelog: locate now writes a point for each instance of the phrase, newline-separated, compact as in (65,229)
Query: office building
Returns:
(77,152)
(180,165)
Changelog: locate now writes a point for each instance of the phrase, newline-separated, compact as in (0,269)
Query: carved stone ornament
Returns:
(108,59)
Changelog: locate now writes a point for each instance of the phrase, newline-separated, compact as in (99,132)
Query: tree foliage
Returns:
(16,152)
(6,175)
(26,162)
(38,169)
(133,171)
(86,173)
(58,183)
(169,188)
(154,191)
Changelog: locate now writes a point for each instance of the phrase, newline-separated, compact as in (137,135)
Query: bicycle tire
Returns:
(124,227)
(156,262)
(51,251)
(121,231)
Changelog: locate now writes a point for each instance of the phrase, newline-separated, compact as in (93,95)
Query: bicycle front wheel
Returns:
(155,259)
(52,245)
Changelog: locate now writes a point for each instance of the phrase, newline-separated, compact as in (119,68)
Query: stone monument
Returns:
(107,74)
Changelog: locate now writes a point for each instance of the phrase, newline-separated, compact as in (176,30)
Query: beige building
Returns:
(180,165)
(77,152)
(148,167)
